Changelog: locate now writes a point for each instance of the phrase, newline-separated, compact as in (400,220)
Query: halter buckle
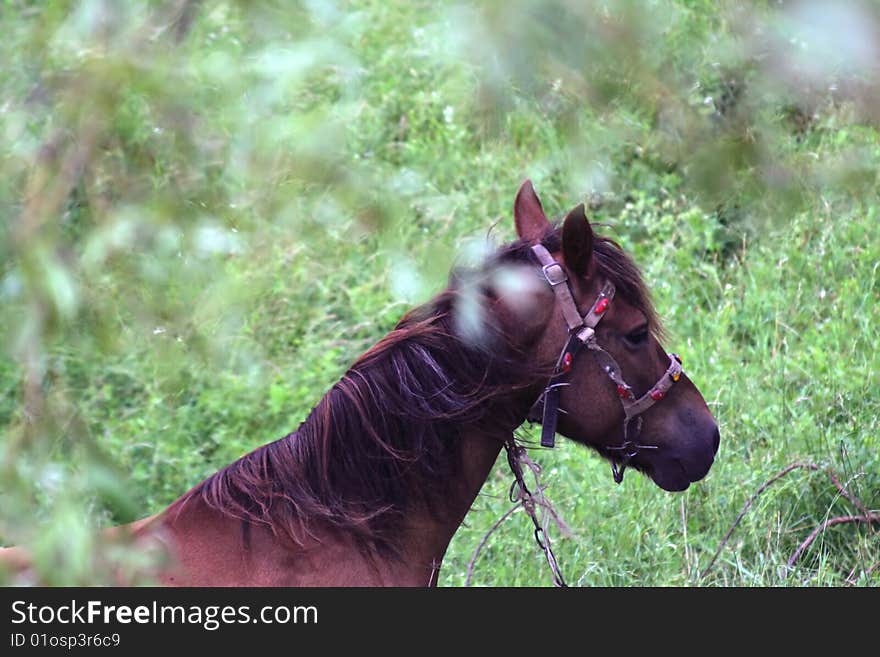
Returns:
(554,273)
(586,334)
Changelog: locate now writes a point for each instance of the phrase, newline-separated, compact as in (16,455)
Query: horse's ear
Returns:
(577,241)
(528,215)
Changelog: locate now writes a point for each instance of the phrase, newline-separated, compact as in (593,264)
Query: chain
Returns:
(519,492)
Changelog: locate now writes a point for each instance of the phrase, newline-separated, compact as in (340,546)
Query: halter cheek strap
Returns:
(582,333)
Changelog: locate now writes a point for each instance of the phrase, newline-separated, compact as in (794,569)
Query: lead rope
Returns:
(519,492)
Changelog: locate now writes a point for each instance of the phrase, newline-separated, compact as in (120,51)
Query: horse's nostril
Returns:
(716,439)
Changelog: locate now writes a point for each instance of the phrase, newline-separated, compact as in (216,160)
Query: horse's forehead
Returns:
(625,308)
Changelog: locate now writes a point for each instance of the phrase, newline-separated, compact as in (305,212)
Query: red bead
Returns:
(602,305)
(657,395)
(566,362)
(622,392)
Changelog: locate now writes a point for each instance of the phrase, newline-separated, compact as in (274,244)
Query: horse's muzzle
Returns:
(676,469)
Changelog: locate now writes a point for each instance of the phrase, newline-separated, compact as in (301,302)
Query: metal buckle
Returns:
(586,334)
(557,278)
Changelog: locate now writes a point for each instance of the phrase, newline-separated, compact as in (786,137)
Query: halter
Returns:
(582,333)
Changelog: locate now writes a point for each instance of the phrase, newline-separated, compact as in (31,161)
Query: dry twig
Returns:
(470,568)
(865,517)
(866,573)
(779,475)
(830,522)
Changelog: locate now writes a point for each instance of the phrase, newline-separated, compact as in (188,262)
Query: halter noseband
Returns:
(582,333)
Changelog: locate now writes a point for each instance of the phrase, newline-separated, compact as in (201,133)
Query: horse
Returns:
(371,487)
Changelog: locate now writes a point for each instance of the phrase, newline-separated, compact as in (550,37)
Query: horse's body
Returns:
(373,485)
(207,545)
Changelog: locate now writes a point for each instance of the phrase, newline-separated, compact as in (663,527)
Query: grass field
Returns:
(209,211)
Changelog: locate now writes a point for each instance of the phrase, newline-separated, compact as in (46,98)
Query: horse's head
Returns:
(615,372)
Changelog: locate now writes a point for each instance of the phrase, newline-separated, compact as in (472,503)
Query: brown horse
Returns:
(372,486)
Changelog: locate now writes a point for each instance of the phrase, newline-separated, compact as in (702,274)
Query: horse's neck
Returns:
(208,547)
(427,535)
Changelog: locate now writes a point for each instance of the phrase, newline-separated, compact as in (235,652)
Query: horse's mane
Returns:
(384,438)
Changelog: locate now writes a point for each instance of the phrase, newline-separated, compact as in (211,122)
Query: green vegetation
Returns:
(208,210)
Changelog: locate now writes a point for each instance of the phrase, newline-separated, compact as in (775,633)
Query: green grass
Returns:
(200,236)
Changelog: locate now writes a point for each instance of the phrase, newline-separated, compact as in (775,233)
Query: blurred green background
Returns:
(209,209)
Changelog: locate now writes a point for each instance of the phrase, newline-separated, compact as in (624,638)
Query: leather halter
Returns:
(582,333)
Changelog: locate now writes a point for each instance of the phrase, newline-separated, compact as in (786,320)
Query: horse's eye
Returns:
(637,337)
